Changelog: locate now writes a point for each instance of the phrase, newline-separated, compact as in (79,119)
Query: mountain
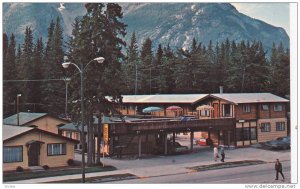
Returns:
(175,24)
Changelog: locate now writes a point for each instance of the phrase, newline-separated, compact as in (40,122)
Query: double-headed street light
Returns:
(65,65)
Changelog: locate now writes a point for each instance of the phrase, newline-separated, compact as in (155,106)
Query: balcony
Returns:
(172,126)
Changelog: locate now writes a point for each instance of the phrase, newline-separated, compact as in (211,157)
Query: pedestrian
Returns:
(216,155)
(278,168)
(222,154)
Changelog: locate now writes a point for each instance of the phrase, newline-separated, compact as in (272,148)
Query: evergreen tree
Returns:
(99,35)
(37,62)
(26,69)
(53,93)
(280,63)
(130,68)
(9,73)
(146,67)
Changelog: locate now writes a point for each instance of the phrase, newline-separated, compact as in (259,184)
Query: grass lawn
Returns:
(13,176)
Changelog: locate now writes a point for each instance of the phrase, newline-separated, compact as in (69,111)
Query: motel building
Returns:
(233,120)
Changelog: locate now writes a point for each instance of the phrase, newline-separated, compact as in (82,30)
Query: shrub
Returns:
(71,162)
(46,167)
(19,169)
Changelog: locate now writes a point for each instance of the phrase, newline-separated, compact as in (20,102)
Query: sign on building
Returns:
(105,132)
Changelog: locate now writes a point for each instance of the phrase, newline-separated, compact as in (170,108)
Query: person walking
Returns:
(222,154)
(216,155)
(278,168)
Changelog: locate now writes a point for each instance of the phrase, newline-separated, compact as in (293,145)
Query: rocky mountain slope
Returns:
(175,24)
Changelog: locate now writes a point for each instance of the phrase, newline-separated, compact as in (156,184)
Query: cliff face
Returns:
(175,24)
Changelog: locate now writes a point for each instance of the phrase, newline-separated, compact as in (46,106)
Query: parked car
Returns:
(281,143)
(177,148)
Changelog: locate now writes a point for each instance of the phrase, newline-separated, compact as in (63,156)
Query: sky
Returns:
(276,14)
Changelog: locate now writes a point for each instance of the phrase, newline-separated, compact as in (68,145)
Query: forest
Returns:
(33,68)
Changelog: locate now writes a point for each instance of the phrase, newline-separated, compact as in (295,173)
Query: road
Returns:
(262,173)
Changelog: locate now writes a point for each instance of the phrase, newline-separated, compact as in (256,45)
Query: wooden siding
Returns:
(44,159)
(273,134)
(48,123)
(240,115)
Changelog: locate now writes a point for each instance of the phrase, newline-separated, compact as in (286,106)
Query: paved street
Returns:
(175,168)
(263,173)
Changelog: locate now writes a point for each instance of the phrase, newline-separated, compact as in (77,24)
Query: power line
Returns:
(34,80)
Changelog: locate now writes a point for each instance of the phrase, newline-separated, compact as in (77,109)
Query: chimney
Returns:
(221,89)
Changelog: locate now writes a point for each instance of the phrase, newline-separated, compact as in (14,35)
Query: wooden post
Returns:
(173,138)
(140,146)
(166,143)
(191,138)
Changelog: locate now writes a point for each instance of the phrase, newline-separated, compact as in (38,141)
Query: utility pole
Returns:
(135,88)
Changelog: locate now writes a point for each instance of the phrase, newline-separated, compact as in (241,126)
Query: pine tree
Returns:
(9,73)
(53,95)
(26,69)
(130,68)
(146,67)
(99,35)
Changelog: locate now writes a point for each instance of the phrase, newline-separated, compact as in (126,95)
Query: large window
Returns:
(264,107)
(280,126)
(265,127)
(226,110)
(278,107)
(253,133)
(246,108)
(244,134)
(56,149)
(12,154)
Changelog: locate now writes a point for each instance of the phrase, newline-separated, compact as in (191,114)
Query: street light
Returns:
(65,65)
(18,118)
(67,81)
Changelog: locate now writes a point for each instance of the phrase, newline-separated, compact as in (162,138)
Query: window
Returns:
(278,107)
(253,133)
(238,134)
(264,107)
(69,134)
(280,126)
(265,127)
(56,149)
(226,110)
(13,154)
(77,136)
(205,113)
(246,108)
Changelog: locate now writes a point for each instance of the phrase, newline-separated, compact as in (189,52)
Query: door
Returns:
(33,154)
(216,110)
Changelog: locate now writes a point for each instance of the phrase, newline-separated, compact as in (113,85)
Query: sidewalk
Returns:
(158,166)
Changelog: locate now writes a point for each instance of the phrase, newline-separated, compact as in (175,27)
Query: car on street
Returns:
(177,148)
(281,143)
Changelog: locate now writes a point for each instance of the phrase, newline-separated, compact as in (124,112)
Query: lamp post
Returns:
(18,118)
(65,65)
(67,81)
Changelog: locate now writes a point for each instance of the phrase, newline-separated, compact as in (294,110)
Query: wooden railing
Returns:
(172,125)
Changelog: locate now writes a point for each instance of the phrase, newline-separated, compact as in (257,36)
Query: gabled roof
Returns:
(24,118)
(10,132)
(163,98)
(234,98)
(239,98)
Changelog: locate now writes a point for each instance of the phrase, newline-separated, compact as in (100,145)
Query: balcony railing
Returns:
(172,125)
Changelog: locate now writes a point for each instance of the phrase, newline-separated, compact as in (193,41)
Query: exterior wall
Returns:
(245,115)
(48,123)
(44,159)
(273,134)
